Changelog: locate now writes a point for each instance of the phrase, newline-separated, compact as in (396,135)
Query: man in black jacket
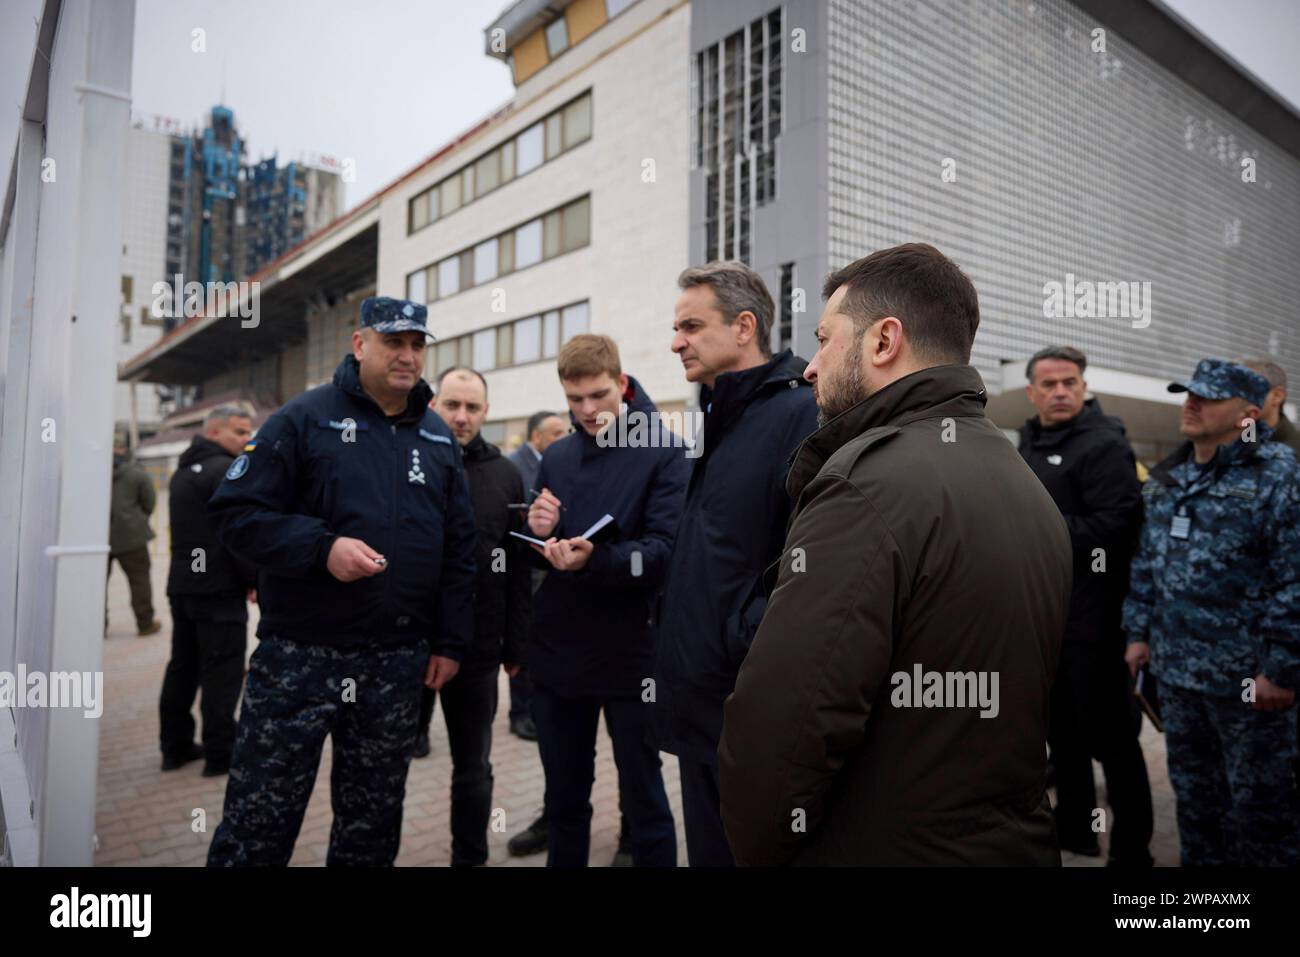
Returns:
(757,409)
(206,587)
(1083,459)
(352,504)
(502,609)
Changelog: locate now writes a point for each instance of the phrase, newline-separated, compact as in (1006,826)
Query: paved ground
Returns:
(145,817)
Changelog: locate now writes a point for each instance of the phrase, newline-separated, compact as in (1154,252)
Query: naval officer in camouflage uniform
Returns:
(352,503)
(1214,608)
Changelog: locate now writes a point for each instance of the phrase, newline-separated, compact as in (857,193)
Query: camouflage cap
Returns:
(383,314)
(1220,379)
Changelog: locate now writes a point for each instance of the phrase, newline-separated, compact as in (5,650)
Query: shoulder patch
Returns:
(250,446)
(424,434)
(237,468)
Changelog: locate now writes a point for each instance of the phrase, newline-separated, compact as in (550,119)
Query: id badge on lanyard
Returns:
(1181,526)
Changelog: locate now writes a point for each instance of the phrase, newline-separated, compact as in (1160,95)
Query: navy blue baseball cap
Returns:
(1220,379)
(383,314)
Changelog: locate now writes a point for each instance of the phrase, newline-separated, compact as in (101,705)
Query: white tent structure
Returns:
(60,249)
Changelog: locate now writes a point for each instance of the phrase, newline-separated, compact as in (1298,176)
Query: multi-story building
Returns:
(195,209)
(1093,145)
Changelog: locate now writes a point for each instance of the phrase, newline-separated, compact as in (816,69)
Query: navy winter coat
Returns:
(733,527)
(592,631)
(329,463)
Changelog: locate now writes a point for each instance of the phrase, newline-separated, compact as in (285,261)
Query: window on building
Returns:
(529,148)
(551,333)
(554,135)
(576,225)
(450,190)
(528,244)
(785,324)
(485,350)
(494,432)
(505,345)
(507,161)
(467,185)
(506,253)
(528,339)
(577,122)
(551,227)
(614,7)
(466,350)
(447,354)
(557,37)
(467,269)
(487,172)
(736,120)
(417,287)
(448,277)
(485,261)
(574,320)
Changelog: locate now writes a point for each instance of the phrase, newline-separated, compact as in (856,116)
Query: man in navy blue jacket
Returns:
(352,503)
(757,409)
(592,639)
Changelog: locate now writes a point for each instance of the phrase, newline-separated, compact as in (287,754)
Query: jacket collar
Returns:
(736,388)
(947,390)
(200,448)
(634,399)
(1047,436)
(348,378)
(1225,456)
(480,449)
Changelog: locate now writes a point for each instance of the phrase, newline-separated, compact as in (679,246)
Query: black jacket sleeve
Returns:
(247,573)
(519,591)
(455,598)
(1108,487)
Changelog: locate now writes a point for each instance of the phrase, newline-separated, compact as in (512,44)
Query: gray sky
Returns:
(386,82)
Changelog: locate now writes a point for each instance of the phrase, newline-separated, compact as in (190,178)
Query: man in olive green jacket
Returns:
(129,534)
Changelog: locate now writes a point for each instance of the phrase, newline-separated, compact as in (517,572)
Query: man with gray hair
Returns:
(1272,415)
(206,587)
(757,409)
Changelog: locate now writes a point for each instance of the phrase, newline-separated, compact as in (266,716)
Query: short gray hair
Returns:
(1066,353)
(1267,367)
(737,289)
(224,413)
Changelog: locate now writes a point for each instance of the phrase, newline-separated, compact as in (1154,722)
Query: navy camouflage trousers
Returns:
(367,700)
(1232,772)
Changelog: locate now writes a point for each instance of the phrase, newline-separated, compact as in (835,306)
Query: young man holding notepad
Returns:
(592,640)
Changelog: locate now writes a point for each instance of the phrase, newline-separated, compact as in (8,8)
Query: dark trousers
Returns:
(566,736)
(367,701)
(521,696)
(469,706)
(1093,716)
(135,565)
(1231,768)
(209,639)
(706,841)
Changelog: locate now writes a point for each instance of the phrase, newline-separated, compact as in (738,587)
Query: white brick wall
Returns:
(639,230)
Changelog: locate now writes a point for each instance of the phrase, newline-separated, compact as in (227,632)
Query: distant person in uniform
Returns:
(208,589)
(132,502)
(1214,609)
(353,506)
(1272,414)
(1083,459)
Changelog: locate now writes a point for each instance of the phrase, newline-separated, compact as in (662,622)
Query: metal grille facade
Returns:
(1067,160)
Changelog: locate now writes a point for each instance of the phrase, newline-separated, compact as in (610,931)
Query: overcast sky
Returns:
(384,83)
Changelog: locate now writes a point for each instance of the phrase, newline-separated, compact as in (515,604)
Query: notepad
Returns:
(595,528)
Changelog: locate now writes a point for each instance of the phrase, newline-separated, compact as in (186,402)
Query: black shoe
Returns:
(171,762)
(623,856)
(523,728)
(216,769)
(531,841)
(422,748)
